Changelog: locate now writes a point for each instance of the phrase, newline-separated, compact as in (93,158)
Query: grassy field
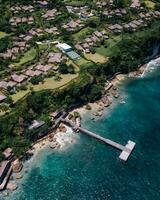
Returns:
(43,46)
(103,51)
(150,4)
(82,34)
(54,48)
(74,3)
(19,95)
(110,47)
(97,58)
(49,84)
(2,34)
(28,56)
(50,47)
(76,67)
(81,62)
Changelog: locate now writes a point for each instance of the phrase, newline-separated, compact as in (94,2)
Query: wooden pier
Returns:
(125,150)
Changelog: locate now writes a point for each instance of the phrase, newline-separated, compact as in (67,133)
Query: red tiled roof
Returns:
(43,68)
(2,97)
(18,78)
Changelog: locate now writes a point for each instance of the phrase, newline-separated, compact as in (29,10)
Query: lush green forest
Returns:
(131,51)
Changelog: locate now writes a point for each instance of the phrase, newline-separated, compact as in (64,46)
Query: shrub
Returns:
(70,116)
(36,79)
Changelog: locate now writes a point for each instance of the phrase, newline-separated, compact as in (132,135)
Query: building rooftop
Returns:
(29,72)
(18,78)
(42,3)
(54,57)
(8,152)
(36,124)
(2,97)
(3,84)
(43,68)
(11,84)
(64,46)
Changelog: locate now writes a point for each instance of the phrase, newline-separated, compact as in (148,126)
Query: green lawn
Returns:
(19,95)
(28,56)
(97,58)
(76,67)
(43,46)
(110,47)
(103,51)
(150,4)
(3,34)
(74,2)
(49,83)
(54,48)
(82,34)
(81,62)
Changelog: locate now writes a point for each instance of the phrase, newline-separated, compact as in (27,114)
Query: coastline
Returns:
(65,135)
(95,105)
(58,137)
(44,142)
(118,79)
(98,161)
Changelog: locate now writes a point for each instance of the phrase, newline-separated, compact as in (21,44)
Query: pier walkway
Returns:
(125,150)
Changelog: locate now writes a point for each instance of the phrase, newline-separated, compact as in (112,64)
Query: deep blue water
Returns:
(89,170)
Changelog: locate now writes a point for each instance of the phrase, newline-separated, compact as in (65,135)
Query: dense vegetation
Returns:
(131,51)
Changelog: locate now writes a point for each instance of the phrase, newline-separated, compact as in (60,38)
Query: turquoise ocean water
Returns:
(90,170)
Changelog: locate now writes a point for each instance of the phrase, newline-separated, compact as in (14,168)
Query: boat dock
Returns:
(125,150)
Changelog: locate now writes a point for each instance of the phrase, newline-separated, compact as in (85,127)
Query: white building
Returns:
(64,47)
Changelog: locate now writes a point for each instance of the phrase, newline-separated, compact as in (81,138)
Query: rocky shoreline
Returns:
(60,139)
(108,95)
(63,135)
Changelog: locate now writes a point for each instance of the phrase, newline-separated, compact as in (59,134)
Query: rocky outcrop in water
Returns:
(17,166)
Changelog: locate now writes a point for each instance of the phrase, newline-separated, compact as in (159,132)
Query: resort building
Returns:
(8,153)
(50,14)
(11,84)
(91,41)
(113,13)
(43,68)
(21,8)
(43,3)
(55,115)
(17,20)
(3,85)
(2,97)
(83,12)
(52,30)
(32,73)
(18,78)
(65,48)
(135,4)
(73,25)
(36,124)
(54,57)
